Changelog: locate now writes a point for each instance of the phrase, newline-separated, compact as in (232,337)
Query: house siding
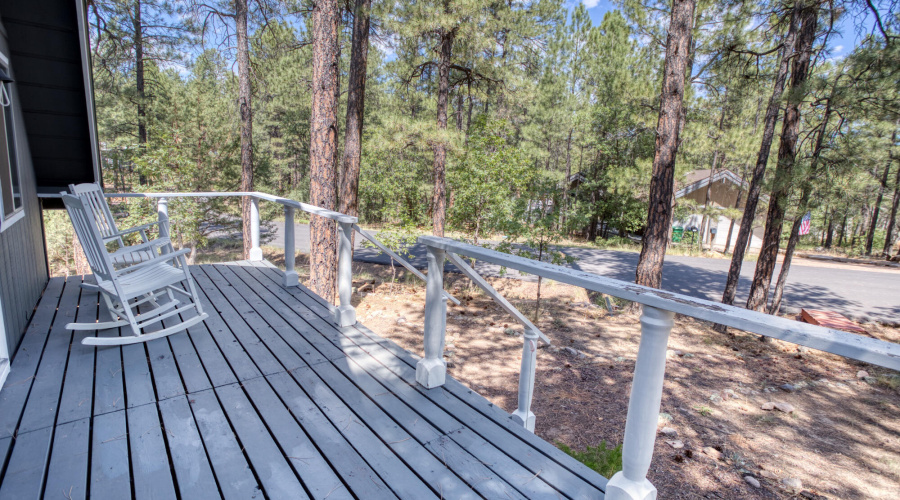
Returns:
(23,263)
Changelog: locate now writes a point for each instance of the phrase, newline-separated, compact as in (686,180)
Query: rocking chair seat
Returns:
(147,279)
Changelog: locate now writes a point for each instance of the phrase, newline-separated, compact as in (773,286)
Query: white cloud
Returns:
(590,4)
(839,48)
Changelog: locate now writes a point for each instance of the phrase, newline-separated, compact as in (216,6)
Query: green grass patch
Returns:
(606,461)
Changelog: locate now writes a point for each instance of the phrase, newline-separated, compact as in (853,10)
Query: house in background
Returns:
(723,188)
(47,141)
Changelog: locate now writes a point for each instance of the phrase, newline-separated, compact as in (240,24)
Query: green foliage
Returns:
(487,180)
(603,459)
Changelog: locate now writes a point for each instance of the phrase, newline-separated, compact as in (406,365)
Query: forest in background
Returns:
(476,115)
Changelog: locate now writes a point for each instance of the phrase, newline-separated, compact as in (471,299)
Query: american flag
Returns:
(804,224)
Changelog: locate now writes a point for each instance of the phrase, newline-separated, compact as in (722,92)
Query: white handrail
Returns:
(869,350)
(657,320)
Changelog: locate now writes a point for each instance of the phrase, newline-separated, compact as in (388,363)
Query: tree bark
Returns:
(246,110)
(745,232)
(323,141)
(814,172)
(565,193)
(662,183)
(439,207)
(787,151)
(356,96)
(139,79)
(889,236)
(873,225)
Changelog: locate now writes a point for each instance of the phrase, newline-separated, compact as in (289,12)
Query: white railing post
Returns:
(345,314)
(290,254)
(643,409)
(255,251)
(523,414)
(431,371)
(162,215)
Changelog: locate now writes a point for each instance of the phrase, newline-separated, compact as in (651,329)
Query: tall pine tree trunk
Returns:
(565,193)
(439,203)
(356,96)
(889,236)
(873,225)
(139,79)
(323,142)
(787,151)
(814,172)
(745,232)
(246,110)
(662,184)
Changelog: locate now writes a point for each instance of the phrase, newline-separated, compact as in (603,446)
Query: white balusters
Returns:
(643,409)
(431,371)
(523,414)
(255,251)
(345,314)
(162,215)
(290,255)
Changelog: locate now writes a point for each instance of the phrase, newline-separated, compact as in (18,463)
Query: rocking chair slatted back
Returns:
(90,237)
(92,194)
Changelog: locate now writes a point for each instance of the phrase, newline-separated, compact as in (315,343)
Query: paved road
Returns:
(856,292)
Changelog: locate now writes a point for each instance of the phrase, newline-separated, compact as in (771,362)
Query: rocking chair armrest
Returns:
(159,242)
(155,260)
(141,228)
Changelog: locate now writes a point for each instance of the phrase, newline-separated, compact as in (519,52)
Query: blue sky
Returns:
(840,44)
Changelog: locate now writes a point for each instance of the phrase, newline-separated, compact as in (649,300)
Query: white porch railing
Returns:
(344,313)
(657,319)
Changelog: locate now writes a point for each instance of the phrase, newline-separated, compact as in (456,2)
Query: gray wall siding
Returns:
(23,265)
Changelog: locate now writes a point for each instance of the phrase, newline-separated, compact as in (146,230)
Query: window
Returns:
(10,183)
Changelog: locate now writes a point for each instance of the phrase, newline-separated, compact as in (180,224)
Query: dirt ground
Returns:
(842,439)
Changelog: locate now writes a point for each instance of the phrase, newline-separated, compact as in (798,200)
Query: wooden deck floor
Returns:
(265,399)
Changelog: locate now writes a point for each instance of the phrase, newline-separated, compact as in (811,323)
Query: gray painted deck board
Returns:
(192,469)
(304,457)
(68,472)
(151,475)
(110,464)
(268,398)
(276,475)
(78,386)
(226,455)
(24,476)
(21,373)
(40,410)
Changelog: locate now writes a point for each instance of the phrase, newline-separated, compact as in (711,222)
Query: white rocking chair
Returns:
(125,289)
(91,195)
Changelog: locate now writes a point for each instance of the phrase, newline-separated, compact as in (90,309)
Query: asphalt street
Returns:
(856,292)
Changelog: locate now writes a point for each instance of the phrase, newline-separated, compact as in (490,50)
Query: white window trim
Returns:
(6,223)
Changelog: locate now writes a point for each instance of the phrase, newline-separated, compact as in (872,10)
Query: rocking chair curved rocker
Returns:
(141,284)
